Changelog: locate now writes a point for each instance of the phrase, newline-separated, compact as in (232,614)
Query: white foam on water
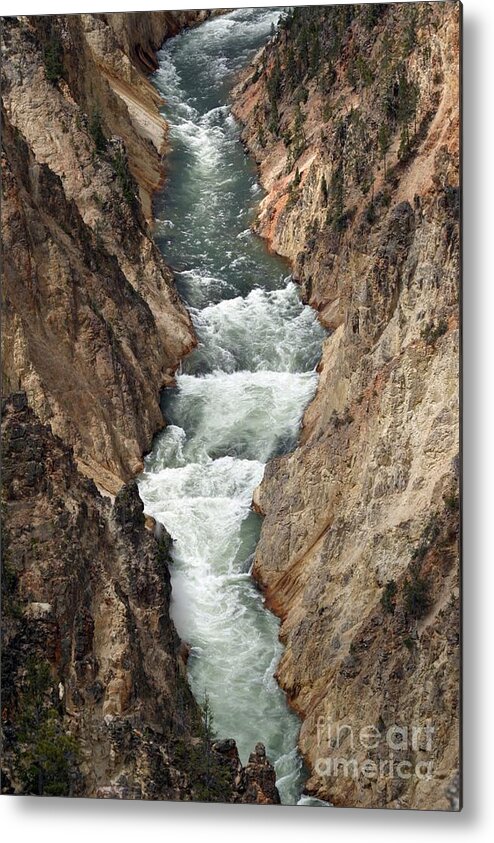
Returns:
(251,415)
(238,401)
(264,326)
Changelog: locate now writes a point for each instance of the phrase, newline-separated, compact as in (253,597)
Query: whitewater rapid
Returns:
(239,397)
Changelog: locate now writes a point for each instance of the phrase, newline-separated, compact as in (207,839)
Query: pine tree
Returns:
(96,131)
(46,754)
(52,56)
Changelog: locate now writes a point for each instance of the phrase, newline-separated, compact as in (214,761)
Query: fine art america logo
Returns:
(374,753)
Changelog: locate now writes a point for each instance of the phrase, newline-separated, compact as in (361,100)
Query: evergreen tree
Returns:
(52,56)
(46,754)
(96,131)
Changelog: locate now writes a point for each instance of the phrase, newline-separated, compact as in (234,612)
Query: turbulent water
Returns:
(239,397)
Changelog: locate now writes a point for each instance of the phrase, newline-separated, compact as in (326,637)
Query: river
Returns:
(239,397)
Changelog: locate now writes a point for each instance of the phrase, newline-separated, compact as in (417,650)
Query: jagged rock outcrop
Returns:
(352,114)
(95,700)
(92,324)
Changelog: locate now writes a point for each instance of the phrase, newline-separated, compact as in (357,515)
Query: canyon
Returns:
(351,114)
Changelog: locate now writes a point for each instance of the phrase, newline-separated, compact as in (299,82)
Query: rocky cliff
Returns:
(352,114)
(92,323)
(95,700)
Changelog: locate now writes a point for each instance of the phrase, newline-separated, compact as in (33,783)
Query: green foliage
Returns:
(388,597)
(120,166)
(298,134)
(274,81)
(10,595)
(372,13)
(452,501)
(405,147)
(370,213)
(326,112)
(416,595)
(52,57)
(407,99)
(211,781)
(337,217)
(363,70)
(293,191)
(96,131)
(46,754)
(410,34)
(261,135)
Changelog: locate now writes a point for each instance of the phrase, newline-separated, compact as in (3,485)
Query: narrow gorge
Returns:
(230,369)
(239,396)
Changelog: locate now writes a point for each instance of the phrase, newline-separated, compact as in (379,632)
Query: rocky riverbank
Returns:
(352,114)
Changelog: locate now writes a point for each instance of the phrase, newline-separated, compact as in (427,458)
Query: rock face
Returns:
(93,326)
(93,680)
(352,114)
(95,699)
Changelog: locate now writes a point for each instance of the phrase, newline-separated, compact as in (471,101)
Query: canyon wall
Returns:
(95,698)
(352,114)
(92,324)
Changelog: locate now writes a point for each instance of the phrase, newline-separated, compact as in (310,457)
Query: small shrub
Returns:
(452,501)
(388,597)
(416,595)
(370,213)
(96,131)
(124,178)
(52,57)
